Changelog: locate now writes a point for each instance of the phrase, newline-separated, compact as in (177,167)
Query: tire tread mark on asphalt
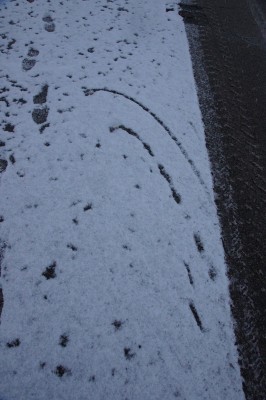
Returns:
(236,149)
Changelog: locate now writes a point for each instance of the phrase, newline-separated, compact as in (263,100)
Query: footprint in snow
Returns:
(41,97)
(33,52)
(49,25)
(3,165)
(28,64)
(40,115)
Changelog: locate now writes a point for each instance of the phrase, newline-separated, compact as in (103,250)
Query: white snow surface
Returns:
(113,270)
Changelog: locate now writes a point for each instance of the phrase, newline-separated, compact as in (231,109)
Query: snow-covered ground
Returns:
(113,270)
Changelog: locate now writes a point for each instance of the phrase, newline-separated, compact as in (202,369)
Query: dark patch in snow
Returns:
(199,243)
(21,173)
(88,207)
(72,247)
(10,44)
(117,324)
(92,378)
(43,127)
(14,343)
(69,109)
(122,9)
(75,203)
(4,100)
(212,273)
(63,341)
(60,371)
(49,272)
(20,101)
(128,353)
(12,159)
(9,128)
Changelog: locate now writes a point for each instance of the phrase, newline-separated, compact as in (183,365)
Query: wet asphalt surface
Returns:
(228,46)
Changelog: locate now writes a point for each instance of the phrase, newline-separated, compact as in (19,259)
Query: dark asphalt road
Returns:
(228,46)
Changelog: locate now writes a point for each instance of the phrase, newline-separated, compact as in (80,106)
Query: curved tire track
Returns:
(176,196)
(91,91)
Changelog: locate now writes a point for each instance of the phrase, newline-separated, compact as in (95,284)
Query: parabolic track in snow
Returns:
(113,270)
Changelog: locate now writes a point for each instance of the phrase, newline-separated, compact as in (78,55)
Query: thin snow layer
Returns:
(113,270)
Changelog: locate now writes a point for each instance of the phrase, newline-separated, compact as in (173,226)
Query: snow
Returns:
(113,270)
